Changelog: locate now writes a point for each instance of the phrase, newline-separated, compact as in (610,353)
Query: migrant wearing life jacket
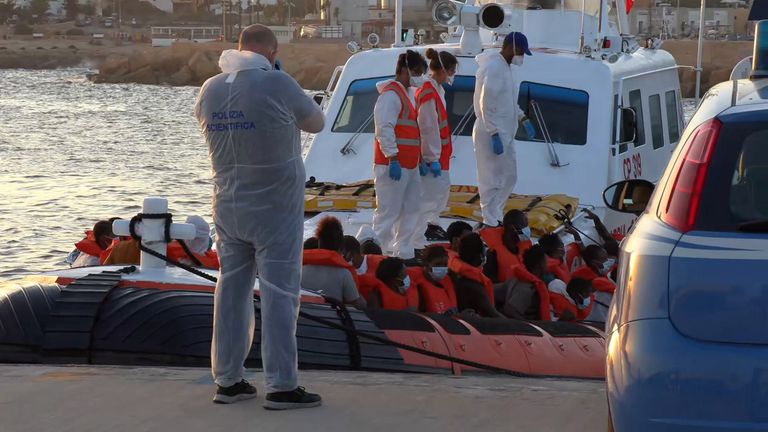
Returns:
(599,283)
(209,260)
(522,274)
(435,297)
(573,257)
(424,94)
(559,269)
(391,300)
(447,247)
(329,258)
(456,265)
(406,132)
(560,302)
(494,238)
(90,246)
(124,252)
(373,262)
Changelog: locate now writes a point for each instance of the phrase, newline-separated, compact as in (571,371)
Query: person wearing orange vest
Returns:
(572,302)
(93,248)
(436,145)
(199,253)
(507,245)
(392,289)
(436,291)
(396,158)
(474,290)
(526,295)
(597,266)
(555,249)
(325,270)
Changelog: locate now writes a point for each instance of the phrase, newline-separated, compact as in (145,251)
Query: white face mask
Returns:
(449,80)
(527,232)
(517,60)
(406,285)
(608,265)
(439,273)
(417,81)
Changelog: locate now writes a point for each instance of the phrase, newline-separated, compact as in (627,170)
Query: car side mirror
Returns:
(628,196)
(628,125)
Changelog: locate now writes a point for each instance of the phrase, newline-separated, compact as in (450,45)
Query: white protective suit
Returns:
(251,116)
(397,202)
(495,103)
(434,190)
(201,242)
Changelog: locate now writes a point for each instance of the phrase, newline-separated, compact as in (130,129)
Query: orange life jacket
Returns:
(373,263)
(560,304)
(91,247)
(365,285)
(456,265)
(424,94)
(494,238)
(559,269)
(599,283)
(573,257)
(394,300)
(435,298)
(522,274)
(329,258)
(406,131)
(209,260)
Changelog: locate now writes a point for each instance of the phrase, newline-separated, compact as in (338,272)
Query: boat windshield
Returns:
(564,112)
(356,113)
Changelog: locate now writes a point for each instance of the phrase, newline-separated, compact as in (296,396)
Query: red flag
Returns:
(630,3)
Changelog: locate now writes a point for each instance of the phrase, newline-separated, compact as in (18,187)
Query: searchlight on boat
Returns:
(470,17)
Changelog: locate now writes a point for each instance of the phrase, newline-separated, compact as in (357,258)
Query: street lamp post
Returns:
(700,52)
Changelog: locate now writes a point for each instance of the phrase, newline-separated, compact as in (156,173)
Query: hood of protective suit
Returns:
(202,234)
(234,61)
(381,84)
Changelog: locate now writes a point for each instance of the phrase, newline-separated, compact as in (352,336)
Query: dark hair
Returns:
(369,247)
(389,269)
(441,60)
(471,249)
(577,285)
(457,229)
(514,217)
(433,252)
(101,228)
(534,256)
(612,247)
(591,253)
(411,60)
(330,234)
(257,34)
(350,245)
(310,243)
(550,243)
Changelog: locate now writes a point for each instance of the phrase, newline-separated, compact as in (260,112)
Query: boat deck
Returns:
(116,399)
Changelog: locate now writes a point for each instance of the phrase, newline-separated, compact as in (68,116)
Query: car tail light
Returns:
(683,203)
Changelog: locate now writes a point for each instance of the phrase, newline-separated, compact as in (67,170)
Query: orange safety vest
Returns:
(424,94)
(559,269)
(329,258)
(560,304)
(392,300)
(209,260)
(436,298)
(522,274)
(456,265)
(599,283)
(406,132)
(373,263)
(494,238)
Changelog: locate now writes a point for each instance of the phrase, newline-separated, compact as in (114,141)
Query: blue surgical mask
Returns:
(608,265)
(526,232)
(439,273)
(585,304)
(406,285)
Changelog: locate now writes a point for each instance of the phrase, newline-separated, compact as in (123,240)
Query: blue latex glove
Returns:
(498,146)
(530,129)
(423,169)
(435,169)
(395,170)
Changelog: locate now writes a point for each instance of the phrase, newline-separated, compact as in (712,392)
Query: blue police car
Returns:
(688,329)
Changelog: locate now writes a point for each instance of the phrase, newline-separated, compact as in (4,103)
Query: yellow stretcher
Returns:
(464,203)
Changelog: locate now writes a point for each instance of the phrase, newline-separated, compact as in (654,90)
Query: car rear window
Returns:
(736,187)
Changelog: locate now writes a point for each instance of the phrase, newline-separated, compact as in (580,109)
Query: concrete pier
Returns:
(37,398)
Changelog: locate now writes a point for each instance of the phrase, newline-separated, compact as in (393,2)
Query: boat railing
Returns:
(554,159)
(463,123)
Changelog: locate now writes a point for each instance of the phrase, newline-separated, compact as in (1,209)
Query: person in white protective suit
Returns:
(498,115)
(396,157)
(250,115)
(436,146)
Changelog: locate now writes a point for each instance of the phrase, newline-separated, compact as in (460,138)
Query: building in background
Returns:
(673,19)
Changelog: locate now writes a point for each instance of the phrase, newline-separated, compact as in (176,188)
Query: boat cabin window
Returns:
(564,113)
(636,102)
(657,124)
(673,121)
(622,145)
(356,113)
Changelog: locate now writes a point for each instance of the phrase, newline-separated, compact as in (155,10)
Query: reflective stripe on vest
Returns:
(423,95)
(406,132)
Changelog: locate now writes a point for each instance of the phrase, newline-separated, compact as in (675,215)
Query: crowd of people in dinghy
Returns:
(495,273)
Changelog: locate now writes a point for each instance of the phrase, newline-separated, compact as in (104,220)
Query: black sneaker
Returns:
(298,398)
(435,233)
(236,392)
